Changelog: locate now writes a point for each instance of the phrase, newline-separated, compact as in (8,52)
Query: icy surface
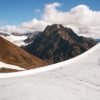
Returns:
(75,79)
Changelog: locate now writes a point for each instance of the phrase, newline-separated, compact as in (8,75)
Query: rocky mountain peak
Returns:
(65,33)
(53,28)
(57,43)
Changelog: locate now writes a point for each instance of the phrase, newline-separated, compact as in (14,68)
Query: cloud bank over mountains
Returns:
(81,19)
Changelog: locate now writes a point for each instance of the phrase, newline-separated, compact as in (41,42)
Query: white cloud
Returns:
(81,19)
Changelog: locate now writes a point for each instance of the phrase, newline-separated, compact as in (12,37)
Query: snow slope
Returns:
(75,79)
(4,65)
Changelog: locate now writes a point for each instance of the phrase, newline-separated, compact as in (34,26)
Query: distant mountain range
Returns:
(55,44)
(19,39)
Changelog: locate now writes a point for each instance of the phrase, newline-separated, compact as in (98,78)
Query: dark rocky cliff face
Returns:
(57,43)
